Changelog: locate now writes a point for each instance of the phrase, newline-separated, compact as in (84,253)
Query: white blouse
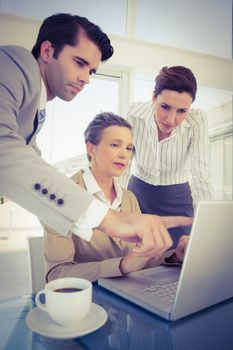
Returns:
(94,189)
(181,157)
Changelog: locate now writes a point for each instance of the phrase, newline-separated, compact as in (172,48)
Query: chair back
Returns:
(36,266)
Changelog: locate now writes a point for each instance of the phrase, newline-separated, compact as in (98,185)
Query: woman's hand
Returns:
(181,247)
(132,262)
(148,230)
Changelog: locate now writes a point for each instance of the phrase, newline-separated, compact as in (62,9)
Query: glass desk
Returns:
(128,327)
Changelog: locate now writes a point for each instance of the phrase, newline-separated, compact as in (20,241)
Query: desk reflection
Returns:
(130,327)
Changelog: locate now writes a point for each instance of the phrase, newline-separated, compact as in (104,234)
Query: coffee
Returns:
(68,290)
(63,297)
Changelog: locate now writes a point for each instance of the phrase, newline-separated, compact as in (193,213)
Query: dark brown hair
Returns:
(61,29)
(176,78)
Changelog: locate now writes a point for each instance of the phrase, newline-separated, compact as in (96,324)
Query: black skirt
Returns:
(167,200)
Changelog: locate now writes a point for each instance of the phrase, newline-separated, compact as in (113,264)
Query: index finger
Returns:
(176,221)
(154,243)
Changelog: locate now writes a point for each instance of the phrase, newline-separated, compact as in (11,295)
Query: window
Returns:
(199,26)
(61,139)
(228,167)
(110,15)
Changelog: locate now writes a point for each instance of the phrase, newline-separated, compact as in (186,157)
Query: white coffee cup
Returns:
(67,300)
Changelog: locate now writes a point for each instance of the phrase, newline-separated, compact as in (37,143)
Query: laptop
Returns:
(205,278)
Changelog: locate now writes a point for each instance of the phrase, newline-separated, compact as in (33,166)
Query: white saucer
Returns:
(40,322)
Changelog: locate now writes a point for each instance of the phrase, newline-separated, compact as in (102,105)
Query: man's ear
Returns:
(46,51)
(90,149)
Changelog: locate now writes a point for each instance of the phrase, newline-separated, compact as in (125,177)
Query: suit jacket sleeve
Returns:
(20,166)
(62,258)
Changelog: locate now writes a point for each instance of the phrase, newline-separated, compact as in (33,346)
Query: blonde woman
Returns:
(109,146)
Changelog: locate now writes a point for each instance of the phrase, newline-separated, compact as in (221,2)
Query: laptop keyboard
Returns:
(166,291)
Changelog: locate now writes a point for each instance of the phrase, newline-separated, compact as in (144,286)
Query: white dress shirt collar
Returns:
(94,189)
(43,95)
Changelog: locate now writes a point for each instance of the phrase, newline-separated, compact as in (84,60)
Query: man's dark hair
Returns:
(62,29)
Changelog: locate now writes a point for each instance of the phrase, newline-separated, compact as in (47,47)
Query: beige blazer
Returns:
(72,256)
(21,167)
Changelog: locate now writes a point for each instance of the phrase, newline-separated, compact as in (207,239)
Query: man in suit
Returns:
(67,51)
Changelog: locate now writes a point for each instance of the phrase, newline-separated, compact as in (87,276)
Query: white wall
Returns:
(148,58)
(200,26)
(145,58)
